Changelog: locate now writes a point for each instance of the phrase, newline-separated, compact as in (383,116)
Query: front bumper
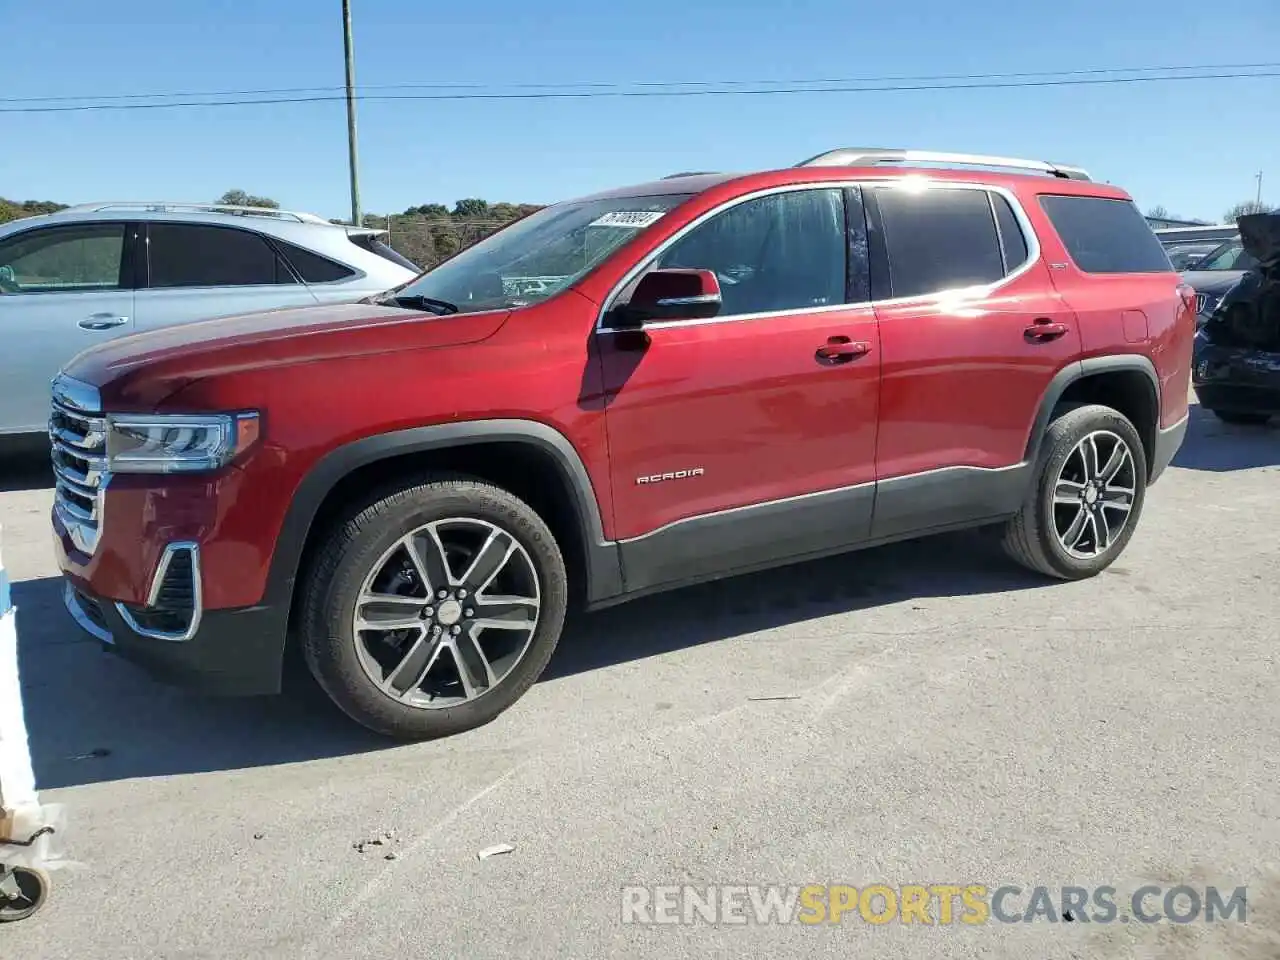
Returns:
(1244,379)
(233,652)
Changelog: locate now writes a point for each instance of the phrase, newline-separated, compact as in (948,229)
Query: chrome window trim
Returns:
(157,582)
(910,182)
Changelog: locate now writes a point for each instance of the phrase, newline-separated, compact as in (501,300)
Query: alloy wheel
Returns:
(1094,494)
(446,613)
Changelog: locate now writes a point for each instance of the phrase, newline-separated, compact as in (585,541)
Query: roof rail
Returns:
(170,206)
(872,156)
(689,173)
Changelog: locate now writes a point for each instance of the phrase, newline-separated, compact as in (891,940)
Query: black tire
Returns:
(1241,418)
(348,552)
(33,886)
(1030,537)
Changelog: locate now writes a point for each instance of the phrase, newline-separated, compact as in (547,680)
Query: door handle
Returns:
(103,321)
(841,350)
(1043,330)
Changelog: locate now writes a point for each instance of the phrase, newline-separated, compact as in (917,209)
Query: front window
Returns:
(536,257)
(63,259)
(1230,256)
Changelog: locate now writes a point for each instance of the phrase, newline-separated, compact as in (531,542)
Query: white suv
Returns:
(72,279)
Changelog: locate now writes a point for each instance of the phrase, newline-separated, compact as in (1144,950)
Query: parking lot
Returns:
(921,713)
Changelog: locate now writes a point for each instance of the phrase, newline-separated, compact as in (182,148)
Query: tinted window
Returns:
(939,240)
(312,267)
(784,251)
(1106,236)
(371,243)
(82,257)
(191,255)
(1012,241)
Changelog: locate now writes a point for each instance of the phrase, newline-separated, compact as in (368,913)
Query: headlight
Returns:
(177,443)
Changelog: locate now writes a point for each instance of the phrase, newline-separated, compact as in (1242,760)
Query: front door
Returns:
(971,332)
(63,289)
(737,441)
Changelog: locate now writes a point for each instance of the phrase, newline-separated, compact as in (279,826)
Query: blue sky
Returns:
(1193,146)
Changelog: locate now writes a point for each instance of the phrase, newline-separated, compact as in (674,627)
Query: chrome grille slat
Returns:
(78,487)
(78,435)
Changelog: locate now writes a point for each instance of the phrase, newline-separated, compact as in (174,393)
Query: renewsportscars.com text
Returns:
(926,904)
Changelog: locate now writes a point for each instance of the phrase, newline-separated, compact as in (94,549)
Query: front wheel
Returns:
(434,608)
(1086,498)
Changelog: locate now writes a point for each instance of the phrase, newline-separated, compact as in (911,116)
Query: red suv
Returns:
(618,395)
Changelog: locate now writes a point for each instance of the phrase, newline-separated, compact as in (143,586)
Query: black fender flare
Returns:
(1078,370)
(604,571)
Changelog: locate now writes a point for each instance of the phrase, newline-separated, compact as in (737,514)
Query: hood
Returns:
(1212,281)
(1260,237)
(144,368)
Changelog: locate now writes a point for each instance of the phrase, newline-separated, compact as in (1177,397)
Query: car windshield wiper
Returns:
(430,304)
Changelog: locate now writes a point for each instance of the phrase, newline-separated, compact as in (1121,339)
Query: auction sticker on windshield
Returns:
(638,219)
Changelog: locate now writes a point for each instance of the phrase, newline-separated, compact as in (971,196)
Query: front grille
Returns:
(77,434)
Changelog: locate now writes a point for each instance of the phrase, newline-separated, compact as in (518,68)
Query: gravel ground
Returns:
(938,716)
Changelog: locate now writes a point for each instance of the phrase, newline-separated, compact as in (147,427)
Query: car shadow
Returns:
(93,717)
(24,464)
(1218,447)
(950,565)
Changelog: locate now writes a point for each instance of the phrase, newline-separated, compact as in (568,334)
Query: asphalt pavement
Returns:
(919,714)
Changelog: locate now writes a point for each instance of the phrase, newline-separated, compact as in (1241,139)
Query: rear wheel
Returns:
(1242,418)
(1088,492)
(434,608)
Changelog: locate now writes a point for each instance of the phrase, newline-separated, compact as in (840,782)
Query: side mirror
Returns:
(671,295)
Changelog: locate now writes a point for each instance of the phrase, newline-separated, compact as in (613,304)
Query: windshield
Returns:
(1186,252)
(1229,256)
(537,257)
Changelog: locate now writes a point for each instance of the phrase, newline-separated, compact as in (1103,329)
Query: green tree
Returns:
(471,208)
(16,209)
(433,211)
(238,198)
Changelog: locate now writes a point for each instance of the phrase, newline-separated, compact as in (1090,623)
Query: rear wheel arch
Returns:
(553,475)
(1127,383)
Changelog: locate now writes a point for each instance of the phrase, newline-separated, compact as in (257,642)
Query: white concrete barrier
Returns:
(21,814)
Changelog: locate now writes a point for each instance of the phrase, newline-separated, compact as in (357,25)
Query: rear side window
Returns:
(1013,244)
(192,255)
(939,240)
(371,243)
(1106,236)
(312,267)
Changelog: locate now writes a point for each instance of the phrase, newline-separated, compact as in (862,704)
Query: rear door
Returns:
(972,332)
(197,271)
(63,289)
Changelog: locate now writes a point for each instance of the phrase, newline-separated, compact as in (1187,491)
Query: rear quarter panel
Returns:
(1134,313)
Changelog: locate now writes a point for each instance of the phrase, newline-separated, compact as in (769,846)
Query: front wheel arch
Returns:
(577,519)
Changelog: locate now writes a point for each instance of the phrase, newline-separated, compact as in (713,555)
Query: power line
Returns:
(682,88)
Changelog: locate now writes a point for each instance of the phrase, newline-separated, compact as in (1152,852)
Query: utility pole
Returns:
(356,217)
(1258,197)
